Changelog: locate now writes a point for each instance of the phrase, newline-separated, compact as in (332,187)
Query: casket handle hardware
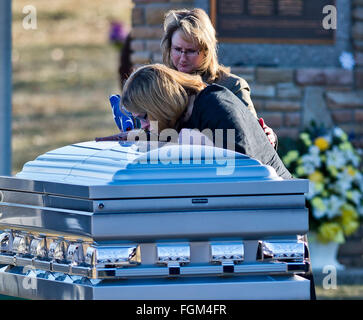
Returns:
(227,254)
(173,256)
(4,241)
(281,251)
(75,253)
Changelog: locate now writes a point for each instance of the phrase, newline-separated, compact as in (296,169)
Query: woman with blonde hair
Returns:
(189,45)
(156,94)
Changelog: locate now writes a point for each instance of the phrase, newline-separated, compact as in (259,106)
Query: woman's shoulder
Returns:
(216,97)
(233,82)
(214,91)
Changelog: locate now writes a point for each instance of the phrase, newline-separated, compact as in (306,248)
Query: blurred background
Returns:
(65,69)
(63,73)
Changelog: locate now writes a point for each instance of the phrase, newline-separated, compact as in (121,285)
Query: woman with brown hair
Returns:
(189,45)
(169,99)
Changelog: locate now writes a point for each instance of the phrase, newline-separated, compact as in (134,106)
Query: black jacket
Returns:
(216,107)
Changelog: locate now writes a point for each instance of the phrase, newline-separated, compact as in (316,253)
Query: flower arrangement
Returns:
(117,34)
(332,165)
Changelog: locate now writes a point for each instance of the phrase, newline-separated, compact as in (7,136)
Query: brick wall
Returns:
(286,98)
(147,20)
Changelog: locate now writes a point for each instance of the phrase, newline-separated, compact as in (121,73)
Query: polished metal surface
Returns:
(112,255)
(57,250)
(282,251)
(20,244)
(38,247)
(111,221)
(5,240)
(233,251)
(75,253)
(177,259)
(173,253)
(35,284)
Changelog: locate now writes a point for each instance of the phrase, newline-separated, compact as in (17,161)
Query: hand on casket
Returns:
(131,135)
(122,136)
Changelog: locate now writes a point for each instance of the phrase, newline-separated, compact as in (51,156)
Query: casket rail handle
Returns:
(173,255)
(228,254)
(292,253)
(6,254)
(21,248)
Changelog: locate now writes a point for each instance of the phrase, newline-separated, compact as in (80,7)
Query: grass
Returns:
(63,74)
(342,292)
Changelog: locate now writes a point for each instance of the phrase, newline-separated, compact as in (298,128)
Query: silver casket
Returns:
(106,220)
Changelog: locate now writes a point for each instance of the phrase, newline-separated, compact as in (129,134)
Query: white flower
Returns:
(359,179)
(314,189)
(347,60)
(328,138)
(314,150)
(335,158)
(344,183)
(351,156)
(333,205)
(318,214)
(310,162)
(338,132)
(354,196)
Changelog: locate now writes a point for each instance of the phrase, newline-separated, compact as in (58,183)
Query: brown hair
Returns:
(196,26)
(161,92)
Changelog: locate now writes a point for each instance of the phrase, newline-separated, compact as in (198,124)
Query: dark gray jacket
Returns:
(240,88)
(216,107)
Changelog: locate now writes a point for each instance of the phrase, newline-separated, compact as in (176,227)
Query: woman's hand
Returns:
(122,136)
(269,132)
(131,135)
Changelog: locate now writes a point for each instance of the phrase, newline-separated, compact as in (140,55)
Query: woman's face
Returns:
(185,55)
(144,120)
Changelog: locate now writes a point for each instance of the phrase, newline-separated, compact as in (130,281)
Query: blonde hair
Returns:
(161,92)
(196,26)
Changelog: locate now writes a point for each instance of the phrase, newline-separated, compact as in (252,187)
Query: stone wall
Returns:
(287,98)
(147,19)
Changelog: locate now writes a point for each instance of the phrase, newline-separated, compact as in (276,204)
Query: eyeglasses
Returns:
(188,52)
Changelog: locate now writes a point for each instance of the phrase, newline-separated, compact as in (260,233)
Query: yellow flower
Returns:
(348,211)
(316,176)
(321,143)
(330,231)
(349,219)
(351,171)
(350,227)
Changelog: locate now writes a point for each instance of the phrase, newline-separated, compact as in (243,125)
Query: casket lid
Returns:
(99,170)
